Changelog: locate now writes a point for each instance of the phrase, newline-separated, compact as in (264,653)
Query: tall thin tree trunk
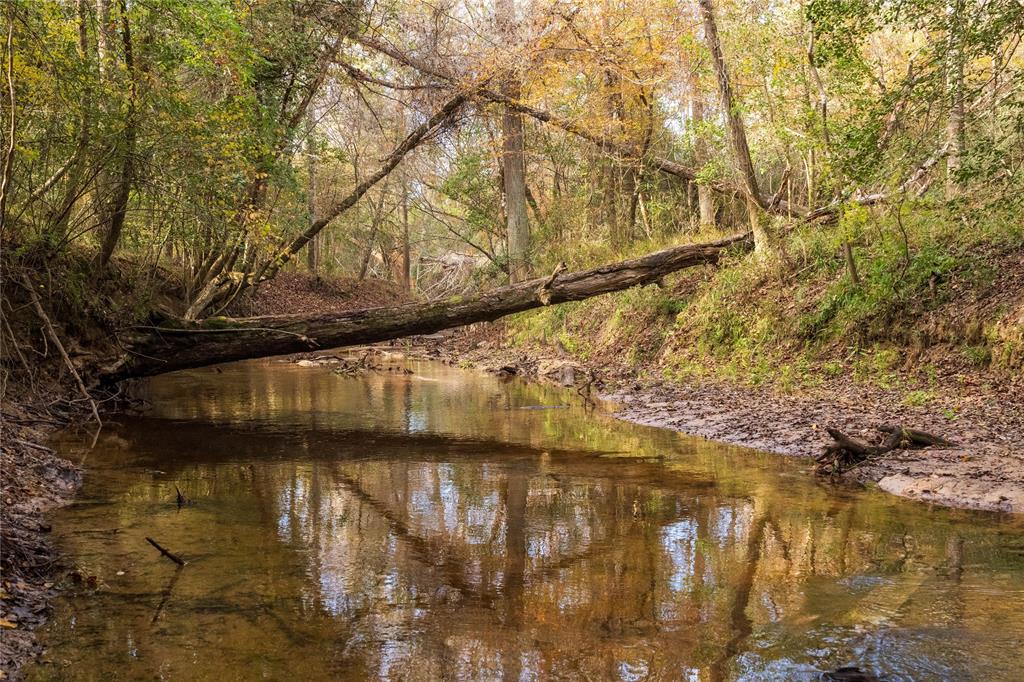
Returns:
(406,252)
(116,188)
(12,122)
(517,223)
(313,249)
(364,265)
(610,202)
(106,35)
(763,238)
(819,85)
(633,188)
(705,195)
(955,94)
(811,181)
(378,218)
(737,131)
(706,205)
(616,183)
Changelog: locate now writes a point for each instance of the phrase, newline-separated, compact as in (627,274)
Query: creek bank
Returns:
(34,481)
(985,471)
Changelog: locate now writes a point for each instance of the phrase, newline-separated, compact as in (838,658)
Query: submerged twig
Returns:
(173,557)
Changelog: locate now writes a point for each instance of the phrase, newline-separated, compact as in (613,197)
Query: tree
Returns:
(174,139)
(705,197)
(114,186)
(513,156)
(954,68)
(756,202)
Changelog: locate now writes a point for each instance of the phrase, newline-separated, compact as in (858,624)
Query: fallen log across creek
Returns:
(848,452)
(181,344)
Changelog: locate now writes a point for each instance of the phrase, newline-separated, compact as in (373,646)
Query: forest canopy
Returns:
(455,145)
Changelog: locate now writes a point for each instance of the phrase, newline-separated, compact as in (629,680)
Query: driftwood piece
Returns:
(920,438)
(848,452)
(173,557)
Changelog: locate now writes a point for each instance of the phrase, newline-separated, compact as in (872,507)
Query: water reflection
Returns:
(424,526)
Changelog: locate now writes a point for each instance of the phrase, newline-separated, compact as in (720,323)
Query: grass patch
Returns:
(797,318)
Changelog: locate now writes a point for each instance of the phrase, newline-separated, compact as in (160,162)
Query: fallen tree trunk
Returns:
(181,344)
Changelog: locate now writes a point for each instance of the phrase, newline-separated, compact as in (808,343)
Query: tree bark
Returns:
(705,196)
(513,157)
(378,218)
(183,344)
(105,37)
(116,188)
(764,239)
(819,85)
(5,172)
(955,94)
(313,250)
(737,131)
(406,251)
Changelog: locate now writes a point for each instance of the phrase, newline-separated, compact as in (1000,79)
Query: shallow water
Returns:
(426,526)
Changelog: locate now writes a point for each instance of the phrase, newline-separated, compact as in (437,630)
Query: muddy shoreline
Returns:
(34,481)
(984,472)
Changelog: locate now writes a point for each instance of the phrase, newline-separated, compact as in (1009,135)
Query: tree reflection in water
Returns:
(424,527)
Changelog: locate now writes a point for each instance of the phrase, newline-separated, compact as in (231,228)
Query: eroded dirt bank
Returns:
(984,471)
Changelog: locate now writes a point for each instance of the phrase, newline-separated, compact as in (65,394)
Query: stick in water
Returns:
(176,559)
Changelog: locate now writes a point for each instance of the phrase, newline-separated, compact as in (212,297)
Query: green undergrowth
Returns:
(938,286)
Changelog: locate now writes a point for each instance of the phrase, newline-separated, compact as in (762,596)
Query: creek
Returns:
(425,522)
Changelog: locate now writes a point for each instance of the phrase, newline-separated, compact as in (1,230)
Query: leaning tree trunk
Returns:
(220,289)
(737,130)
(184,344)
